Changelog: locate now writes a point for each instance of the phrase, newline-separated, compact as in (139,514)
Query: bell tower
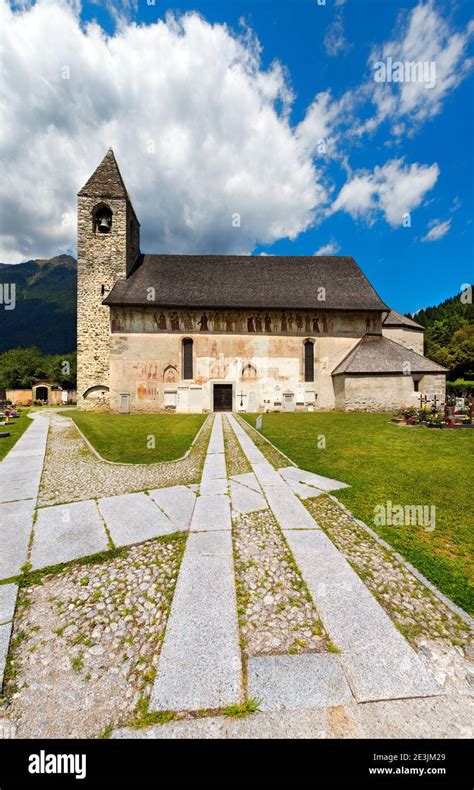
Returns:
(108,243)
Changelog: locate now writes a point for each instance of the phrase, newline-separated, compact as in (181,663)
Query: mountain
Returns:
(449,335)
(45,309)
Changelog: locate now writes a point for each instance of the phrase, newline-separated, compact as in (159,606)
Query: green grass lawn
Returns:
(128,438)
(15,428)
(408,466)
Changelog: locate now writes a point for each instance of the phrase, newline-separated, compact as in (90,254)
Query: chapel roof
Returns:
(378,354)
(247,282)
(397,319)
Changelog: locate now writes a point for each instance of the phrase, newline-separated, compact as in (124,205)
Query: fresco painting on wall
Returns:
(147,320)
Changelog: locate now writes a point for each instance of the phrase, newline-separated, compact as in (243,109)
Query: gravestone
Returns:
(258,424)
(289,401)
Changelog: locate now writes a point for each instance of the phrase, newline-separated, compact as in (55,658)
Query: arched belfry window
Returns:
(187,358)
(102,219)
(308,360)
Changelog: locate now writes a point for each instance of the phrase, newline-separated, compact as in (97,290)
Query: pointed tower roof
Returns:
(106,181)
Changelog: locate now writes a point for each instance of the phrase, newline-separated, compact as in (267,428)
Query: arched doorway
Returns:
(41,393)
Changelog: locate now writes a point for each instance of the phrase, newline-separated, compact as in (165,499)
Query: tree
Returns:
(21,367)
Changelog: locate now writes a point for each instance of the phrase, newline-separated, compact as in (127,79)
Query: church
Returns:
(204,333)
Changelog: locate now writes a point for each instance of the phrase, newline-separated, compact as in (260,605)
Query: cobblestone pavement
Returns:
(439,635)
(86,642)
(276,612)
(72,472)
(236,461)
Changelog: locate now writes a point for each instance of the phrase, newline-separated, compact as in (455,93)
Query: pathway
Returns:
(378,661)
(20,474)
(200,664)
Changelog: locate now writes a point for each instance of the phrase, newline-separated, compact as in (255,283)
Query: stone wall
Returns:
(410,338)
(102,259)
(384,392)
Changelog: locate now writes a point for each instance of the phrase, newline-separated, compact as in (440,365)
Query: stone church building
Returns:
(200,333)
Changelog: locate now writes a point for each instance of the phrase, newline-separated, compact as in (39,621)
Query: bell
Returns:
(104,225)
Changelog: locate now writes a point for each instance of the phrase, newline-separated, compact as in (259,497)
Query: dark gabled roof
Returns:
(106,181)
(378,354)
(397,319)
(241,282)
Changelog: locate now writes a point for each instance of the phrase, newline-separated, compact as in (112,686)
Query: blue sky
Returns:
(415,157)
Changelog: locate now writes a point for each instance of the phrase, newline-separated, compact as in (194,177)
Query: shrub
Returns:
(460,387)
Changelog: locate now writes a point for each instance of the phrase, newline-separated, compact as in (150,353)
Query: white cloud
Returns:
(318,132)
(335,39)
(331,248)
(438,229)
(394,189)
(422,37)
(193,93)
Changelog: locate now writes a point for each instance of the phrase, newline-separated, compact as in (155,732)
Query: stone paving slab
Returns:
(426,717)
(133,518)
(247,479)
(303,490)
(15,473)
(246,500)
(16,523)
(298,682)
(266,474)
(14,490)
(217,485)
(318,481)
(290,513)
(5,633)
(214,466)
(200,663)
(216,442)
(19,468)
(379,662)
(211,513)
(177,502)
(8,593)
(67,532)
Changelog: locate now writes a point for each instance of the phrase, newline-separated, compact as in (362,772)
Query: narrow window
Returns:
(308,361)
(416,385)
(187,358)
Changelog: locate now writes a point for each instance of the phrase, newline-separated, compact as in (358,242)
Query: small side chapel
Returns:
(202,333)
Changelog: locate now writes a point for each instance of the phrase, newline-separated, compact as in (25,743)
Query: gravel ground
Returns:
(273,456)
(440,637)
(86,642)
(236,462)
(72,472)
(276,612)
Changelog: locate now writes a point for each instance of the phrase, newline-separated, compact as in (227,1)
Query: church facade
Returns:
(202,333)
